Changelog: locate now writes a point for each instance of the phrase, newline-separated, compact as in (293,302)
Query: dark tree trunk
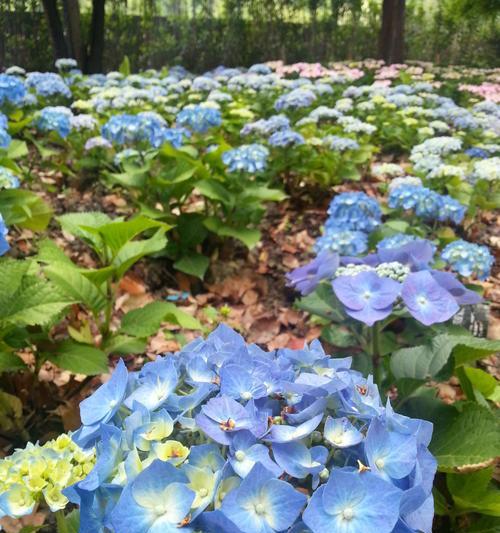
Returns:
(55,28)
(94,61)
(73,23)
(391,39)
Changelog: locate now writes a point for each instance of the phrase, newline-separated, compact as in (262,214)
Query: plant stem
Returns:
(62,526)
(375,353)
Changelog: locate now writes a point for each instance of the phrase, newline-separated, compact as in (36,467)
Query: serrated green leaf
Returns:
(323,303)
(215,191)
(25,209)
(49,252)
(482,381)
(116,234)
(469,348)
(76,286)
(17,149)
(422,362)
(131,252)
(193,264)
(79,358)
(472,492)
(262,193)
(249,237)
(463,439)
(75,224)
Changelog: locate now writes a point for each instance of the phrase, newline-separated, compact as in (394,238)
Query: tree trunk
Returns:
(391,39)
(94,61)
(55,28)
(73,23)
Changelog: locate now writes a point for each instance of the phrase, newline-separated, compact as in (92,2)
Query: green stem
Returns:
(62,526)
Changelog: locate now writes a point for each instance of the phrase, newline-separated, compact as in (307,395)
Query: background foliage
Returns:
(201,34)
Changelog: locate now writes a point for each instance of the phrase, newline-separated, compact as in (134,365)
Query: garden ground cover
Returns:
(211,195)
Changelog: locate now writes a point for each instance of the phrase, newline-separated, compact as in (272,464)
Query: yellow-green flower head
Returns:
(40,473)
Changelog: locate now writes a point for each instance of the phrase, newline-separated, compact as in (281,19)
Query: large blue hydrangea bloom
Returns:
(220,436)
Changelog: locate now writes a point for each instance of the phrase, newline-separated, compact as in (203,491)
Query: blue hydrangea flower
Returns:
(199,118)
(344,242)
(366,296)
(48,84)
(295,99)
(468,259)
(55,119)
(426,300)
(352,502)
(285,137)
(426,203)
(263,503)
(5,138)
(8,180)
(266,126)
(395,241)
(476,153)
(354,211)
(260,415)
(247,158)
(12,90)
(305,279)
(340,144)
(158,500)
(4,245)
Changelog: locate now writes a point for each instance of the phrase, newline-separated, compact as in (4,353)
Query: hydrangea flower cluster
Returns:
(487,169)
(247,157)
(340,144)
(426,203)
(5,138)
(65,63)
(295,99)
(266,127)
(55,118)
(220,436)
(4,245)
(352,216)
(286,137)
(8,180)
(468,259)
(373,287)
(40,473)
(97,142)
(199,118)
(48,84)
(12,90)
(146,127)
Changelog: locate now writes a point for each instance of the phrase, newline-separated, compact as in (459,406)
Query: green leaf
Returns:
(124,67)
(472,492)
(123,344)
(463,439)
(49,252)
(262,193)
(484,524)
(25,209)
(193,264)
(485,383)
(116,234)
(76,286)
(215,191)
(147,320)
(132,251)
(323,303)
(17,149)
(10,362)
(422,362)
(338,336)
(79,358)
(75,224)
(469,348)
(249,237)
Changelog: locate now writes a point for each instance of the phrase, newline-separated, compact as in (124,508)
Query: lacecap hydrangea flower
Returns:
(468,259)
(219,437)
(199,118)
(372,287)
(247,158)
(40,473)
